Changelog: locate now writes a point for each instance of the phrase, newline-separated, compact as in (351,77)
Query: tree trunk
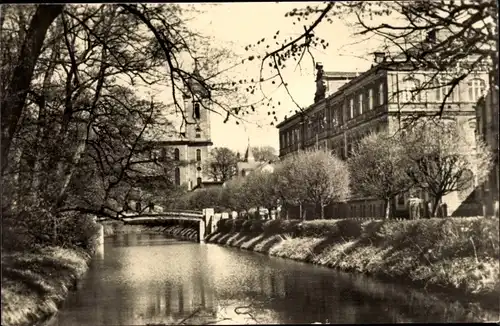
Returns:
(300,211)
(322,210)
(387,203)
(80,149)
(17,90)
(435,206)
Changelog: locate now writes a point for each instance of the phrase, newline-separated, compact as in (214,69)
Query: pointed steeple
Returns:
(248,154)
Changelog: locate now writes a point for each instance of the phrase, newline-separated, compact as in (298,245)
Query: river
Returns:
(146,279)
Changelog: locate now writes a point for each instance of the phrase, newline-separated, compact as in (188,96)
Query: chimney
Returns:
(379,57)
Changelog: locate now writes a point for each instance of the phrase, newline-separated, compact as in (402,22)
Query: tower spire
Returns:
(248,154)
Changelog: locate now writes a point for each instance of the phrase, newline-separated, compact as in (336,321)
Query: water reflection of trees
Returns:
(243,288)
(349,298)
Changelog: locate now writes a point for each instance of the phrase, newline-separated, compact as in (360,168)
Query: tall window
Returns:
(177,177)
(351,108)
(196,110)
(381,94)
(198,181)
(360,103)
(198,132)
(283,145)
(198,155)
(476,89)
(410,90)
(445,89)
(176,154)
(370,99)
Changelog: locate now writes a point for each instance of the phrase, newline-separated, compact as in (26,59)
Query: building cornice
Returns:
(184,142)
(374,69)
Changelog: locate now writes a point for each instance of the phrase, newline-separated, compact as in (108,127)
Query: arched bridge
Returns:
(204,219)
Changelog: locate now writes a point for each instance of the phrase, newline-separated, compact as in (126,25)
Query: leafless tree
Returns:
(316,177)
(441,159)
(264,153)
(378,167)
(73,130)
(221,165)
(261,190)
(443,37)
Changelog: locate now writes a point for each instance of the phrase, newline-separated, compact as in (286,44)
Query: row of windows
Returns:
(333,117)
(439,90)
(365,103)
(163,155)
(365,100)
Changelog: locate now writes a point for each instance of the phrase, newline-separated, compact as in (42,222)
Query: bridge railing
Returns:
(177,214)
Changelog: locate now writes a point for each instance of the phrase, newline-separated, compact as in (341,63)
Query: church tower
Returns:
(197,108)
(197,133)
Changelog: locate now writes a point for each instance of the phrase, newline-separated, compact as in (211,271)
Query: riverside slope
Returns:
(457,256)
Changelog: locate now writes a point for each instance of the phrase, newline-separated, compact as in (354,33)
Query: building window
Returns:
(381,94)
(198,155)
(410,91)
(360,100)
(198,132)
(283,141)
(138,207)
(197,110)
(351,108)
(445,89)
(370,99)
(177,177)
(476,89)
(198,181)
(242,173)
(163,154)
(176,154)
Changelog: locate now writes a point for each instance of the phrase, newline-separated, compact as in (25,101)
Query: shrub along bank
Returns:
(38,270)
(459,254)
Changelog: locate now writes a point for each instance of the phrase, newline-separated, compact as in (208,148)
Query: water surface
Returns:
(151,280)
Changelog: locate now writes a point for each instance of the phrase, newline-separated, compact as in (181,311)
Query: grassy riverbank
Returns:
(458,255)
(35,283)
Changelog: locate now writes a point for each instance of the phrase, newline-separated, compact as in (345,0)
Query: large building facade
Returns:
(381,99)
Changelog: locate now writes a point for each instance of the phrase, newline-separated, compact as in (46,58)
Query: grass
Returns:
(457,255)
(35,283)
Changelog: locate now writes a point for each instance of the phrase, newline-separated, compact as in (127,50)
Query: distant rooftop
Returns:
(339,74)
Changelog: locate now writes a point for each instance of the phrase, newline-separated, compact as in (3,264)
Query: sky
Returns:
(235,25)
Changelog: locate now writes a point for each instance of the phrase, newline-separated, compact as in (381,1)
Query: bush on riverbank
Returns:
(35,283)
(30,230)
(458,253)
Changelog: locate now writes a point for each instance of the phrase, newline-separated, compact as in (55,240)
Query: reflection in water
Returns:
(145,279)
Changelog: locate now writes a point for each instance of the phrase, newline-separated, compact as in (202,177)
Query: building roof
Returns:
(357,78)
